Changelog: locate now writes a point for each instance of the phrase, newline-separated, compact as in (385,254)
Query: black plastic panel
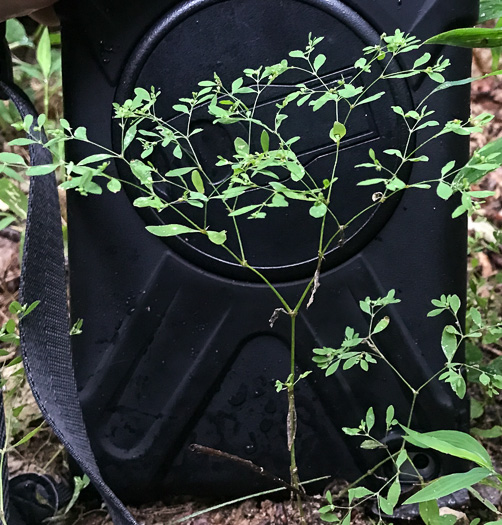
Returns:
(176,346)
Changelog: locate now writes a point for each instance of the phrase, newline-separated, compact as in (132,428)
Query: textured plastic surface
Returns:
(176,347)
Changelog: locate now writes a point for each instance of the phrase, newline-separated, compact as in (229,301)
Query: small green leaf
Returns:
(99,157)
(374,97)
(319,61)
(243,210)
(444,190)
(385,506)
(141,171)
(180,108)
(44,53)
(358,493)
(217,237)
(170,230)
(449,342)
(389,415)
(241,146)
(179,172)
(370,419)
(265,140)
(422,60)
(44,169)
(11,158)
(365,306)
(455,303)
(114,185)
(382,325)
(338,131)
(369,444)
(81,134)
(318,210)
(177,152)
(197,182)
(28,436)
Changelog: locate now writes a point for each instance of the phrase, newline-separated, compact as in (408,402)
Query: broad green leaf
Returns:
(448,485)
(44,53)
(490,433)
(170,230)
(429,512)
(217,237)
(16,33)
(469,37)
(489,9)
(451,442)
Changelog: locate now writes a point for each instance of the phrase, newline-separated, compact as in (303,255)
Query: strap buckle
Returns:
(5,61)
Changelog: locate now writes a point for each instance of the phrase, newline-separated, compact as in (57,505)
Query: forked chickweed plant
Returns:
(266,177)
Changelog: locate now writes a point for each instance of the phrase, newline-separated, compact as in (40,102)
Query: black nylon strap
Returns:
(45,339)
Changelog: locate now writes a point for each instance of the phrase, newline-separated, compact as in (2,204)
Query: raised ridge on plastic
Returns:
(176,347)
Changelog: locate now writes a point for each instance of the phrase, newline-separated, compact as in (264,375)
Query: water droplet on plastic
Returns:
(266,425)
(250,448)
(130,311)
(240,397)
(270,407)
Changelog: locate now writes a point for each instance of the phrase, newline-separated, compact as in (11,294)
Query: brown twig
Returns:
(200,449)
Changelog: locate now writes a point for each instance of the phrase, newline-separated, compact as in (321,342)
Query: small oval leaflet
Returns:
(170,230)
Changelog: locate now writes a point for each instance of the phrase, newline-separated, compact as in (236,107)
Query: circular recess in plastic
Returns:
(198,38)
